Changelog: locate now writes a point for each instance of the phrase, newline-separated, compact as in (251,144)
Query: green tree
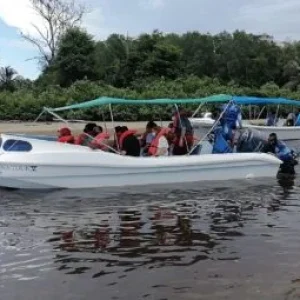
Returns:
(75,59)
(111,58)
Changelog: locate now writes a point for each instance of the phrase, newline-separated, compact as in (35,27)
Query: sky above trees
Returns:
(275,17)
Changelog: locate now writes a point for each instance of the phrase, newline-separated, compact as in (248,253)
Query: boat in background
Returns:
(205,121)
(283,132)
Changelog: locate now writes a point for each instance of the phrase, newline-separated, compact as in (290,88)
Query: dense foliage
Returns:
(152,66)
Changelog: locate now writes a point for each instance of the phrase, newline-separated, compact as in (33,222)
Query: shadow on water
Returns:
(98,234)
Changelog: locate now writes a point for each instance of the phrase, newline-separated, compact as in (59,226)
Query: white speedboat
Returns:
(29,163)
(283,132)
(206,121)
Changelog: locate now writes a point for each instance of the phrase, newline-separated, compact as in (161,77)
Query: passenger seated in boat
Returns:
(128,142)
(147,137)
(100,141)
(159,145)
(297,119)
(271,119)
(281,150)
(184,134)
(231,118)
(85,138)
(65,136)
(290,119)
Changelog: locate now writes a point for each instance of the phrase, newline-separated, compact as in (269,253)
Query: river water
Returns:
(214,241)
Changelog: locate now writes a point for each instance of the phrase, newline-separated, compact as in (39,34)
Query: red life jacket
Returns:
(98,140)
(124,135)
(154,145)
(66,139)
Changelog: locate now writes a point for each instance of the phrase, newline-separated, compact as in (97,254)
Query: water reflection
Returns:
(113,234)
(181,232)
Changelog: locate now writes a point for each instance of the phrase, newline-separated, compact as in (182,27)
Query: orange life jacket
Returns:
(66,139)
(98,140)
(154,145)
(124,135)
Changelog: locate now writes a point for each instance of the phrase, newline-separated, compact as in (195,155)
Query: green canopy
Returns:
(107,100)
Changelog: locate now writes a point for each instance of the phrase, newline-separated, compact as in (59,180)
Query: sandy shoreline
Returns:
(50,128)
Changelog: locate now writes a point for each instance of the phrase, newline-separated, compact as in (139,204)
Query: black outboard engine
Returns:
(251,140)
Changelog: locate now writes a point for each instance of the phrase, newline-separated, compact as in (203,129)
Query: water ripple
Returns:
(179,241)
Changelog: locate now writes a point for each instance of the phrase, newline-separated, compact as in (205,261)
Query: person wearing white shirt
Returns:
(160,145)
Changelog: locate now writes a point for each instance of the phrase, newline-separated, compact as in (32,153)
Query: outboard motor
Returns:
(251,140)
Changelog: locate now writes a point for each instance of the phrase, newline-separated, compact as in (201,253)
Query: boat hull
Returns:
(283,132)
(54,165)
(220,167)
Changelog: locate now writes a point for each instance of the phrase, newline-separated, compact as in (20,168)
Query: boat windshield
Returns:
(17,146)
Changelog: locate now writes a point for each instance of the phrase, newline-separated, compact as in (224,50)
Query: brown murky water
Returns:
(227,241)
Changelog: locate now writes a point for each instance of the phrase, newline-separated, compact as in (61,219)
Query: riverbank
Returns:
(50,128)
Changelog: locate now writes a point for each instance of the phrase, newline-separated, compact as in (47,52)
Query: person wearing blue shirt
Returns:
(282,151)
(231,118)
(220,144)
(297,120)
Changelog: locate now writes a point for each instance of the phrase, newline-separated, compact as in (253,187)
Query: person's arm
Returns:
(182,136)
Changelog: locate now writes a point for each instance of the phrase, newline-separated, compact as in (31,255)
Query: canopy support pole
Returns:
(38,117)
(113,124)
(250,112)
(197,110)
(65,121)
(277,112)
(260,113)
(103,118)
(56,116)
(160,118)
(103,144)
(211,130)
